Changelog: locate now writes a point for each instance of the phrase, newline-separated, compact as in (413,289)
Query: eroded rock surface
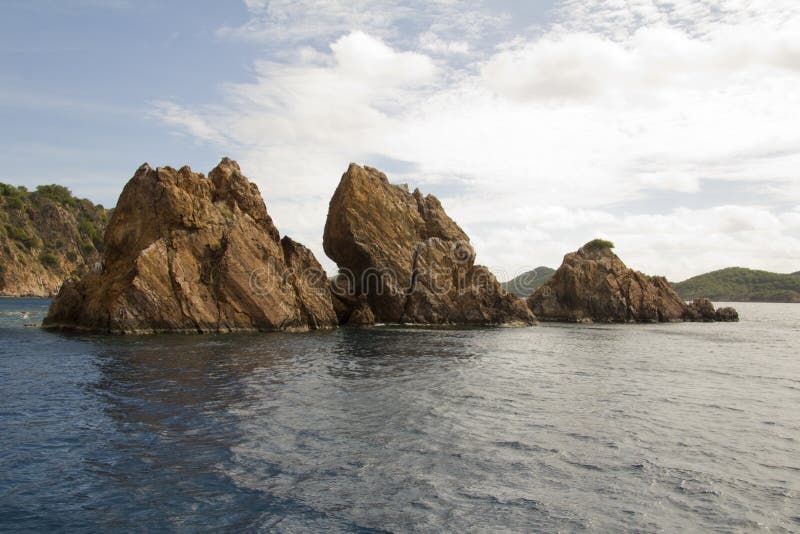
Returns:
(594,285)
(403,260)
(188,254)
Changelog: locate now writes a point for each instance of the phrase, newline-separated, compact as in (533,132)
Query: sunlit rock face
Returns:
(403,260)
(594,285)
(186,253)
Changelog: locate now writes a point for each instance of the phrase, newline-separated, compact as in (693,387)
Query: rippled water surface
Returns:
(675,427)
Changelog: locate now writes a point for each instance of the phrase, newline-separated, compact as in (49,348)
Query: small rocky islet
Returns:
(594,285)
(186,253)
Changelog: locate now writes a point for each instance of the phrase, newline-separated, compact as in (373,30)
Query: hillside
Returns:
(45,236)
(737,284)
(526,283)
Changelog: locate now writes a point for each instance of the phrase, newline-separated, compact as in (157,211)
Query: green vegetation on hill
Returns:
(737,284)
(45,236)
(526,283)
(596,244)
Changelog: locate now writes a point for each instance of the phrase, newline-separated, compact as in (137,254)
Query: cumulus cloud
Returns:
(542,142)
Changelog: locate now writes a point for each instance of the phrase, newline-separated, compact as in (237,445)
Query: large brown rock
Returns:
(401,256)
(188,254)
(594,285)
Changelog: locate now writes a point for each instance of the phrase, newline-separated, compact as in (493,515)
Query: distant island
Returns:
(46,236)
(528,282)
(737,284)
(733,284)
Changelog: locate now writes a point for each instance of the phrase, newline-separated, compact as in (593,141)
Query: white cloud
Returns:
(363,58)
(185,120)
(541,143)
(652,60)
(578,65)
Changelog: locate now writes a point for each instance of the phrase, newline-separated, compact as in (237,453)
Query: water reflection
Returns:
(177,404)
(393,352)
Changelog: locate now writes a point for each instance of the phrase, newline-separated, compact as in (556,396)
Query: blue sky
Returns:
(77,79)
(664,126)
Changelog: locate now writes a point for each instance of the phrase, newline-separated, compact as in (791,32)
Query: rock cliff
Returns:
(46,236)
(403,260)
(594,285)
(184,253)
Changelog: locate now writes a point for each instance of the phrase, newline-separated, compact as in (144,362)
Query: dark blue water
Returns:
(680,427)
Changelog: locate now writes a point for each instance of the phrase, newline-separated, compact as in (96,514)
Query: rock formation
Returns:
(726,314)
(46,236)
(403,260)
(188,254)
(594,285)
(701,310)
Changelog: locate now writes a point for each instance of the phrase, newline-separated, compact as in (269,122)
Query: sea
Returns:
(555,428)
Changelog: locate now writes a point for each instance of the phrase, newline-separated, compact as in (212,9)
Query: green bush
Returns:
(48,260)
(596,244)
(11,191)
(56,193)
(72,256)
(33,242)
(16,233)
(87,248)
(87,227)
(14,203)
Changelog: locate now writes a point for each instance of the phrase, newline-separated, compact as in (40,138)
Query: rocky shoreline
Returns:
(190,254)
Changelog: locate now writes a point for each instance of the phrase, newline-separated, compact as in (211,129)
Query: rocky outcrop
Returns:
(701,310)
(727,314)
(403,260)
(188,254)
(594,285)
(46,236)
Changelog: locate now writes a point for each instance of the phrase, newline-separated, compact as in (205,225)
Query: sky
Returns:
(667,126)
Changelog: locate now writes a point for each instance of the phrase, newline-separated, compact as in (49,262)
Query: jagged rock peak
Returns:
(189,254)
(384,240)
(594,285)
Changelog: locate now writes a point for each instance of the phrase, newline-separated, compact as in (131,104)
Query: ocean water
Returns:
(674,428)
